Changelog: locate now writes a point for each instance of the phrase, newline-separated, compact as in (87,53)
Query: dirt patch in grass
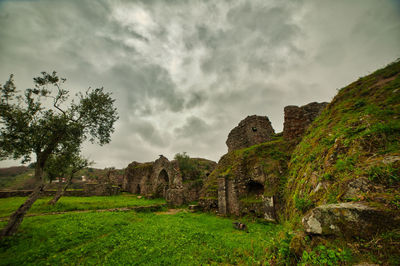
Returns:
(169,212)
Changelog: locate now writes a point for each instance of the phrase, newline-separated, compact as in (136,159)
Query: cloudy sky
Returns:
(184,73)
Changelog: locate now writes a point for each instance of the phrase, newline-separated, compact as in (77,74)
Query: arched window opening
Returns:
(255,188)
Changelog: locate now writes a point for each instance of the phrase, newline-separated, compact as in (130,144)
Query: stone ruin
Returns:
(163,178)
(244,195)
(250,131)
(297,119)
(249,180)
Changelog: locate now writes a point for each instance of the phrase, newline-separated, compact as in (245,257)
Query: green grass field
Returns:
(9,205)
(144,238)
(130,238)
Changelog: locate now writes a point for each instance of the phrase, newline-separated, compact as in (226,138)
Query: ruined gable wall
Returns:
(250,131)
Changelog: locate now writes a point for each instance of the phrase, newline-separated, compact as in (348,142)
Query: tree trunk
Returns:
(60,192)
(17,217)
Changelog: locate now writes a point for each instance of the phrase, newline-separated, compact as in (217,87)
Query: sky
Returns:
(184,73)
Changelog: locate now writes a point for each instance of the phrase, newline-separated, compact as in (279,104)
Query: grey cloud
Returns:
(148,133)
(195,99)
(184,73)
(193,126)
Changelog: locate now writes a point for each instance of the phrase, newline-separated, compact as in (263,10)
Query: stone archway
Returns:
(162,183)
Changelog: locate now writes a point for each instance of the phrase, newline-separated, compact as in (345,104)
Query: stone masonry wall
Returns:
(163,178)
(250,131)
(297,119)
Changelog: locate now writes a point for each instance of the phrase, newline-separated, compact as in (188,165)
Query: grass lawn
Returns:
(130,238)
(9,205)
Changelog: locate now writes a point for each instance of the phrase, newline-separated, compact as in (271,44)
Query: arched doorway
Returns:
(162,184)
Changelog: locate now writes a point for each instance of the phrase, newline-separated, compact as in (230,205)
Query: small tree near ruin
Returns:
(66,165)
(43,120)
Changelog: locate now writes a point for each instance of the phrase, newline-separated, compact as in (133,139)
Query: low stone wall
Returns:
(93,189)
(90,190)
(25,193)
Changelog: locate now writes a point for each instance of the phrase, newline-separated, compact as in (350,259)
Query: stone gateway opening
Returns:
(163,176)
(163,183)
(254,188)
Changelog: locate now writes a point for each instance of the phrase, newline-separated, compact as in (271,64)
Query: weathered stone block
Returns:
(348,220)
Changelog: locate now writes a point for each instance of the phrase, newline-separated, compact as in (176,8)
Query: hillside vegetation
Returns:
(351,153)
(17,177)
(355,140)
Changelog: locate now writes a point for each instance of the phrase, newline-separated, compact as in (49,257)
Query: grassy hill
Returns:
(357,137)
(351,153)
(16,177)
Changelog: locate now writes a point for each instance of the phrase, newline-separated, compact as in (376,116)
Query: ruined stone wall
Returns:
(247,182)
(297,119)
(235,195)
(163,178)
(153,178)
(137,178)
(104,189)
(250,131)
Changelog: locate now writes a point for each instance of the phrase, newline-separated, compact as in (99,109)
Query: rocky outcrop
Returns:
(297,119)
(250,131)
(348,220)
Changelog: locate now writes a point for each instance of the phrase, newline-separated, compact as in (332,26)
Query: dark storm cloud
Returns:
(184,73)
(192,127)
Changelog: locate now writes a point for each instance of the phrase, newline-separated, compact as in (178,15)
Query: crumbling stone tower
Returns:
(250,131)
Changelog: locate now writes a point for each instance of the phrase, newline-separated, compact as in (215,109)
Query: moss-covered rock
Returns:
(348,220)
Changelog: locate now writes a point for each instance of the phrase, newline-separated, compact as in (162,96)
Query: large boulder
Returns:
(348,220)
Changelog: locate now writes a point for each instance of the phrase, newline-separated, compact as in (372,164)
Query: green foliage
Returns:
(345,164)
(44,120)
(384,174)
(322,255)
(327,177)
(279,252)
(188,167)
(302,203)
(65,164)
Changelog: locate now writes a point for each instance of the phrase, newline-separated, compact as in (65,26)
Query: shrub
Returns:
(187,166)
(322,255)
